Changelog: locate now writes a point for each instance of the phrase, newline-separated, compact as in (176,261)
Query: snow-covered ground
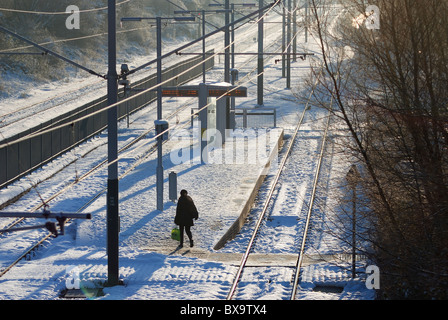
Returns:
(151,265)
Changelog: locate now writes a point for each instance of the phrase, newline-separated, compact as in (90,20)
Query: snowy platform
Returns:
(223,191)
(151,265)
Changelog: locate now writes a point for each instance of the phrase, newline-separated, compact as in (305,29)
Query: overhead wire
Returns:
(154,138)
(203,37)
(50,52)
(196,113)
(152,88)
(32,135)
(59,13)
(72,39)
(61,120)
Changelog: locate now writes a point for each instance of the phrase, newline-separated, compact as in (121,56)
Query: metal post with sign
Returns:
(112,132)
(159,170)
(60,217)
(205,92)
(353,178)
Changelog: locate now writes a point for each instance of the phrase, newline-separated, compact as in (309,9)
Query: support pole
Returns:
(354,232)
(288,51)
(227,59)
(112,180)
(159,116)
(203,46)
(227,43)
(294,31)
(203,125)
(260,56)
(352,179)
(283,41)
(232,8)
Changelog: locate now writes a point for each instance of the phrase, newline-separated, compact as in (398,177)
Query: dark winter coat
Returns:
(186,211)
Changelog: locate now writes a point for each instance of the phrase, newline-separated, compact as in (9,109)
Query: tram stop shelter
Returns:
(215,114)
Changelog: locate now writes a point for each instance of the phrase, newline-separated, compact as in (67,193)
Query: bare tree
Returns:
(390,92)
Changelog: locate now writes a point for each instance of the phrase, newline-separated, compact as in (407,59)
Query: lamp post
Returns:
(159,173)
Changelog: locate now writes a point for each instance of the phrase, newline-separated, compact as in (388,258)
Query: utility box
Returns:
(172,180)
(213,118)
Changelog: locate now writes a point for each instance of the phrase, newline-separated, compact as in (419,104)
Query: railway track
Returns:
(44,106)
(148,152)
(261,225)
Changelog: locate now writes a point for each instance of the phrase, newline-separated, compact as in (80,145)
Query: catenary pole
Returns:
(159,116)
(159,122)
(294,31)
(203,46)
(112,179)
(283,41)
(288,50)
(260,56)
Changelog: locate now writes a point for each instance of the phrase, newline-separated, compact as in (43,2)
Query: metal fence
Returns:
(20,158)
(255,118)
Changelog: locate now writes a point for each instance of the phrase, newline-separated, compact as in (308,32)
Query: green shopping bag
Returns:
(175,234)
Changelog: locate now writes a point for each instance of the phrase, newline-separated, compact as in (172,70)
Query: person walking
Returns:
(185,213)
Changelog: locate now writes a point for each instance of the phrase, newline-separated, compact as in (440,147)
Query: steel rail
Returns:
(91,171)
(310,209)
(49,235)
(150,151)
(266,204)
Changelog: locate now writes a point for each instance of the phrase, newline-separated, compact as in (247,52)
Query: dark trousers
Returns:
(188,232)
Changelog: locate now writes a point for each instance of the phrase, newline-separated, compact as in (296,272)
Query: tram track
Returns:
(127,146)
(267,206)
(150,150)
(285,273)
(13,117)
(144,155)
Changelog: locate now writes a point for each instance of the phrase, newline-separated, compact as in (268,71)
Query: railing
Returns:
(256,118)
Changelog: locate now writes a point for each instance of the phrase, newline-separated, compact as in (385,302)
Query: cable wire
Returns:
(129,98)
(59,13)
